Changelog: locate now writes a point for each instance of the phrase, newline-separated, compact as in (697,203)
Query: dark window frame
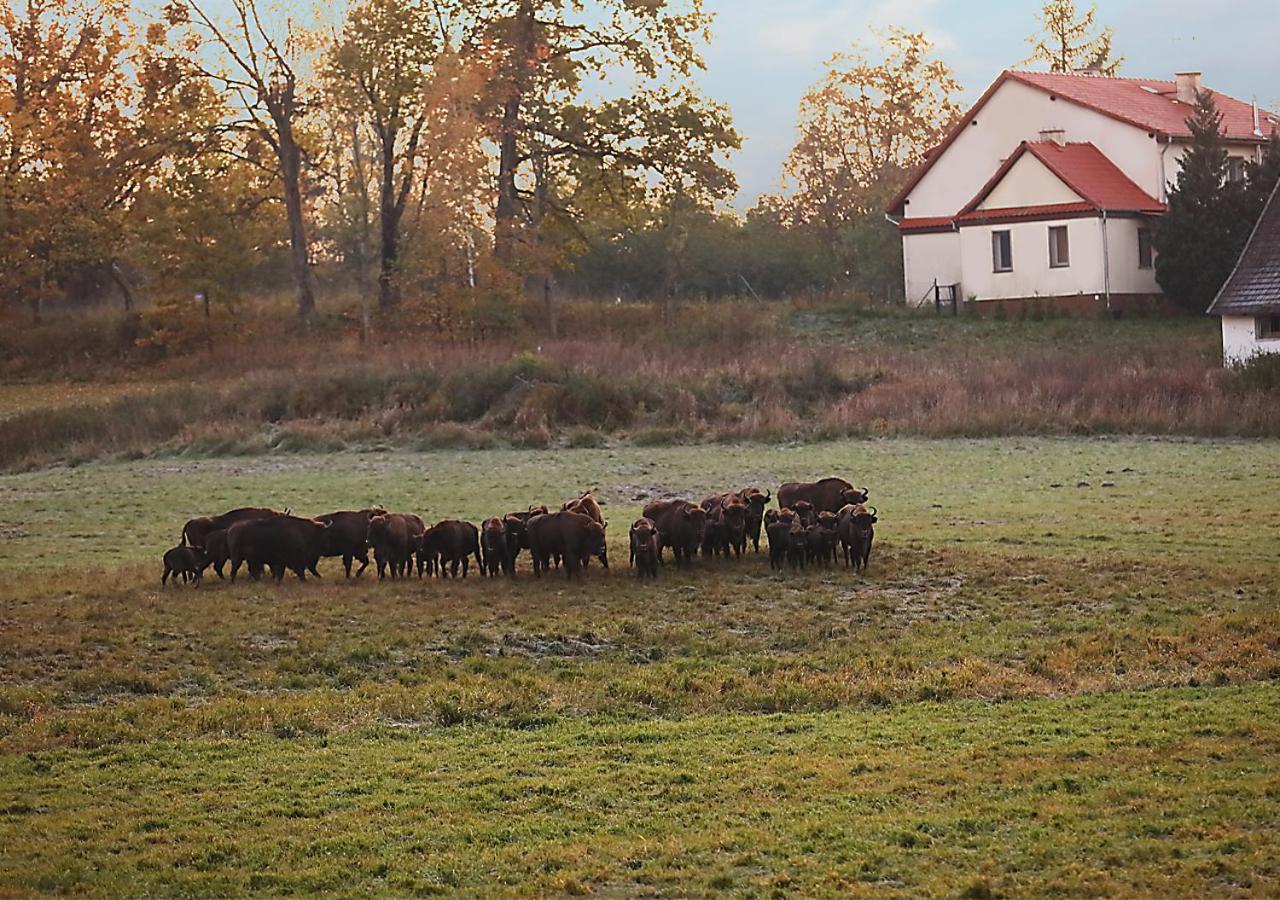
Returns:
(1055,261)
(1146,253)
(1002,251)
(1267,328)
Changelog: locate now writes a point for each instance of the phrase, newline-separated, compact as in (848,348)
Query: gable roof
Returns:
(1253,287)
(1084,169)
(1147,103)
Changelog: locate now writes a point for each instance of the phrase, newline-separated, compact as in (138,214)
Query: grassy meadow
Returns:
(1058,676)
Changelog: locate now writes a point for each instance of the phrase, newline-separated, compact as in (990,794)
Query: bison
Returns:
(857,532)
(573,536)
(588,506)
(348,536)
(215,551)
(184,561)
(498,555)
(279,543)
(680,526)
(644,547)
(779,534)
(829,494)
(517,533)
(755,503)
(727,518)
(394,538)
(449,545)
(196,531)
(797,544)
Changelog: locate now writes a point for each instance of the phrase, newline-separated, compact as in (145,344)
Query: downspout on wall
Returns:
(1106,263)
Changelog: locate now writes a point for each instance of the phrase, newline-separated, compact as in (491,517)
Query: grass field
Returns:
(1038,687)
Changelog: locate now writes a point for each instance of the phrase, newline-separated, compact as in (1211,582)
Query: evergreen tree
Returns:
(1067,41)
(1263,177)
(1207,222)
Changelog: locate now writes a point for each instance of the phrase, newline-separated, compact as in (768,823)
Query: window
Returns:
(1235,169)
(1059,252)
(1268,328)
(1001,251)
(1144,248)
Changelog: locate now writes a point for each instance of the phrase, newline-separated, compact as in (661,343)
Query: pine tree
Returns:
(1262,177)
(1067,41)
(1207,222)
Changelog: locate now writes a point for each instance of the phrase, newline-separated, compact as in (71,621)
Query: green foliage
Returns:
(1198,240)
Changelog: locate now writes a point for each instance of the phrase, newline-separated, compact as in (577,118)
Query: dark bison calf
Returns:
(644,547)
(187,562)
(857,532)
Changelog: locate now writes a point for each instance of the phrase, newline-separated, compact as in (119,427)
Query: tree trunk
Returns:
(506,213)
(389,224)
(549,304)
(125,293)
(361,247)
(291,174)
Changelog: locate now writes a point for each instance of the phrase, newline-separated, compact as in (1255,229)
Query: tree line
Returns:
(445,157)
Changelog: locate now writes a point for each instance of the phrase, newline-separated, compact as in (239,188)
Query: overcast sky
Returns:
(765,53)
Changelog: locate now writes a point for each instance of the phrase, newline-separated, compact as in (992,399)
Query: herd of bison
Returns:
(814,524)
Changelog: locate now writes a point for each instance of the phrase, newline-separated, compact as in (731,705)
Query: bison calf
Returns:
(188,562)
(644,547)
(498,552)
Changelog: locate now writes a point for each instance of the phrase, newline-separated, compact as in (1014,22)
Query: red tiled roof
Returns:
(1084,169)
(926,223)
(1148,103)
(1044,211)
(1124,99)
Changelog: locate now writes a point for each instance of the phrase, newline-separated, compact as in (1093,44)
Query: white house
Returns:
(1249,301)
(1046,189)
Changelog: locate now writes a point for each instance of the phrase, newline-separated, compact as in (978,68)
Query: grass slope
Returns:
(1169,792)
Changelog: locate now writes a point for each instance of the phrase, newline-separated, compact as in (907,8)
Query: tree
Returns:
(261,62)
(395,66)
(1262,177)
(1067,41)
(91,109)
(560,152)
(862,126)
(1198,239)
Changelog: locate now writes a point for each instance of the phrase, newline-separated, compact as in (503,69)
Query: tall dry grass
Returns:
(726,372)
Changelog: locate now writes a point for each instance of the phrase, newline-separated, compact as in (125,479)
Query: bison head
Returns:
(804,511)
(595,545)
(855,495)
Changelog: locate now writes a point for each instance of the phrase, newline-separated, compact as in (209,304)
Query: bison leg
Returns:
(165,577)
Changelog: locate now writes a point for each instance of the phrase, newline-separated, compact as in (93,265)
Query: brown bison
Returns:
(779,534)
(196,531)
(215,551)
(348,536)
(394,538)
(498,556)
(829,494)
(588,506)
(755,501)
(797,544)
(857,532)
(187,562)
(680,527)
(574,537)
(727,517)
(803,511)
(517,532)
(448,546)
(279,543)
(644,547)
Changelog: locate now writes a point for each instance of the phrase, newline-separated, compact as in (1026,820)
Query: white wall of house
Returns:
(926,257)
(1240,340)
(1032,276)
(1028,183)
(1015,113)
(1127,277)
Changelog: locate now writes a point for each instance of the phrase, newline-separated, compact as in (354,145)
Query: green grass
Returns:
(1035,689)
(1169,792)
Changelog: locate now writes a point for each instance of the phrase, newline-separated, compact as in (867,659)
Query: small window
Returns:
(1001,251)
(1235,169)
(1268,328)
(1059,252)
(1144,248)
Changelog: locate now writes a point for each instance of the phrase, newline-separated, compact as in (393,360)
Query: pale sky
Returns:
(765,53)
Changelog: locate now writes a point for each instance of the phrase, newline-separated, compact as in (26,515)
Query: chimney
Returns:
(1057,135)
(1188,86)
(1257,125)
